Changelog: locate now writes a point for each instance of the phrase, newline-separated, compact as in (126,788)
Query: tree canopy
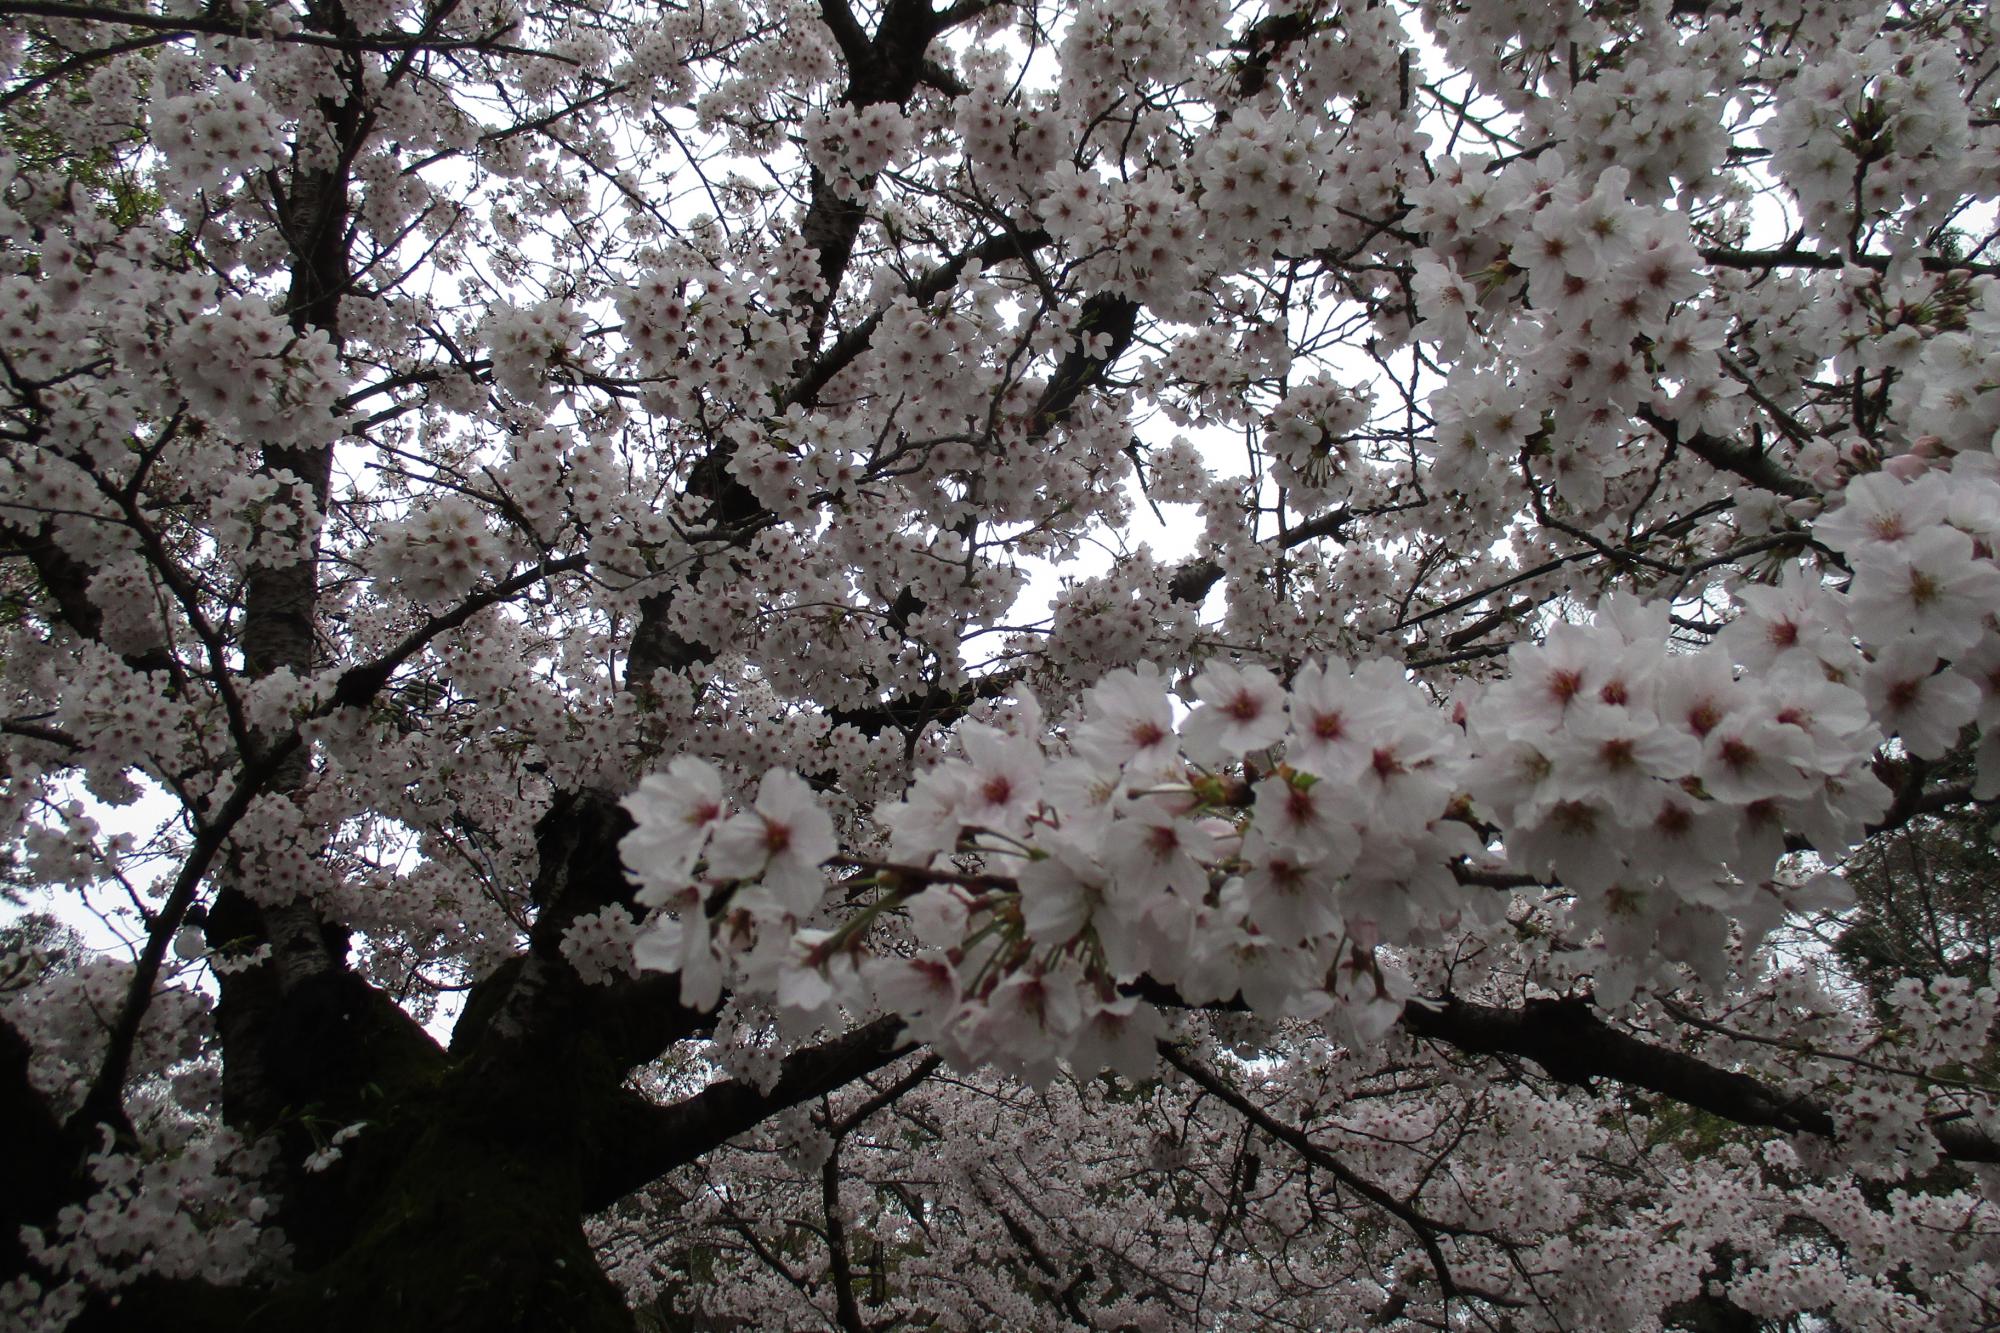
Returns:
(1132,664)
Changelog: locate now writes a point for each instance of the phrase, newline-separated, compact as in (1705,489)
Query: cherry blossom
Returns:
(1131,665)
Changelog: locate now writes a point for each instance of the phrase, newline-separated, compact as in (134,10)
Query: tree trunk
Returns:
(477,1229)
(459,1215)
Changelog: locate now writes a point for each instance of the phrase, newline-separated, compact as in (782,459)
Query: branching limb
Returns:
(645,1141)
(1753,465)
(1569,1040)
(1426,1230)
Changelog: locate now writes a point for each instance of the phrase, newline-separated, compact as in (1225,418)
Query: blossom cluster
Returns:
(1663,125)
(1882,127)
(1271,840)
(531,346)
(599,945)
(850,144)
(438,552)
(780,841)
(706,337)
(1264,184)
(208,139)
(1402,740)
(1357,54)
(1923,598)
(798,459)
(1118,619)
(1308,436)
(1593,261)
(63,1018)
(1950,400)
(656,67)
(264,518)
(1112,43)
(196,1212)
(1011,146)
(1661,787)
(240,363)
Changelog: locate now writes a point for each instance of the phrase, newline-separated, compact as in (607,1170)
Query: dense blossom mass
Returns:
(1132,664)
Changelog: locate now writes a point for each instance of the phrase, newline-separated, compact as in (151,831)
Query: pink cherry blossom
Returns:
(1242,709)
(1128,665)
(674,814)
(780,841)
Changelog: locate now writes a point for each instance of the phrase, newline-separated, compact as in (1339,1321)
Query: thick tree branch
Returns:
(1192,581)
(847,1310)
(37,1152)
(888,1097)
(188,25)
(1757,260)
(359,684)
(67,582)
(887,67)
(1753,465)
(850,345)
(1574,1045)
(936,705)
(1064,1296)
(1569,1040)
(1112,318)
(649,1140)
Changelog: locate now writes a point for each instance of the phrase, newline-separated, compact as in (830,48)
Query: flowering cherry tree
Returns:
(554,585)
